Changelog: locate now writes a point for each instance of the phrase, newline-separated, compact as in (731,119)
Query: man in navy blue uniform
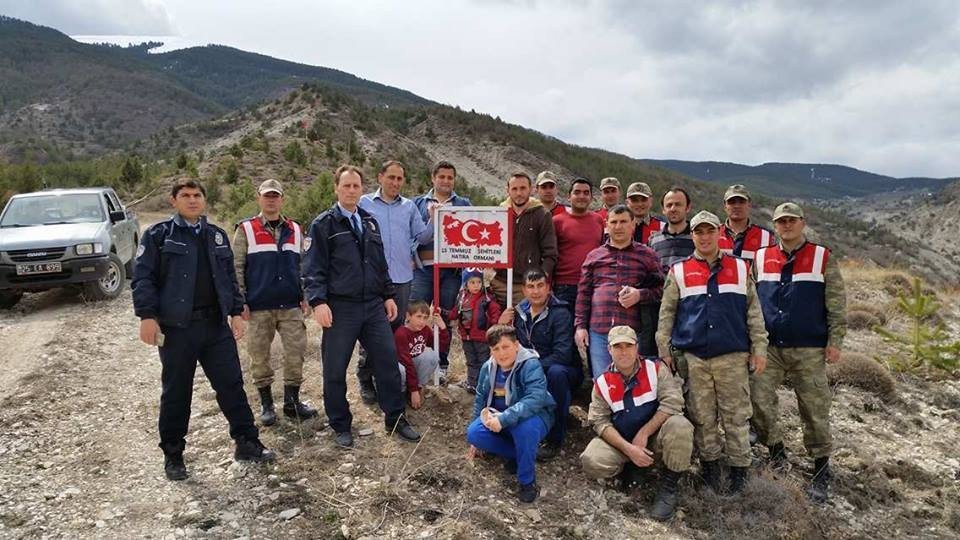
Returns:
(184,287)
(347,283)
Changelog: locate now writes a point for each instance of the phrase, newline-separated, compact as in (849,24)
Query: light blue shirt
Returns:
(402,230)
(351,216)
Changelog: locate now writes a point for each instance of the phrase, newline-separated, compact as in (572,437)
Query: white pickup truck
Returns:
(61,237)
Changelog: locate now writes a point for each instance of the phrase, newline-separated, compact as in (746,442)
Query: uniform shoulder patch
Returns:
(218,238)
(307,242)
(140,249)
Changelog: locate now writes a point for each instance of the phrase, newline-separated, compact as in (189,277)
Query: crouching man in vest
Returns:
(710,312)
(637,412)
(803,300)
(268,248)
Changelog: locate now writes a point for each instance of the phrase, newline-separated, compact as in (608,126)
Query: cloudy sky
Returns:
(872,84)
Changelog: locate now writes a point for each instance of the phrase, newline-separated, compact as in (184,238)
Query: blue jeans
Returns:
(599,355)
(519,442)
(561,380)
(421,288)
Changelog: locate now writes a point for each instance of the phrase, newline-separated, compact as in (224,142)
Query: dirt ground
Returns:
(78,458)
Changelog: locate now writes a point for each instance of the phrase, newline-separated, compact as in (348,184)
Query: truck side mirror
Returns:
(118,215)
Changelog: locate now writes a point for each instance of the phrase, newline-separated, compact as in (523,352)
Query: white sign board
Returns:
(475,236)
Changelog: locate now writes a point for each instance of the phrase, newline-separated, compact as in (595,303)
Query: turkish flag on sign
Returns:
(471,232)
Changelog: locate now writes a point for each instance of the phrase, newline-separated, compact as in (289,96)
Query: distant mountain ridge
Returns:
(60,98)
(800,180)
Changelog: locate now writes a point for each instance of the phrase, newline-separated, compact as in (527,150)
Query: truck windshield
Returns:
(52,209)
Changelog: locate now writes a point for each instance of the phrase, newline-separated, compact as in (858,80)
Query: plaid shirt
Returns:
(606,270)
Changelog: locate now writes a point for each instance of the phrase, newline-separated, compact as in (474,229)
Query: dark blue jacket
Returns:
(165,272)
(550,333)
(526,387)
(272,268)
(712,311)
(791,288)
(338,265)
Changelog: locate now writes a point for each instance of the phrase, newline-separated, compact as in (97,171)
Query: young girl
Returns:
(475,312)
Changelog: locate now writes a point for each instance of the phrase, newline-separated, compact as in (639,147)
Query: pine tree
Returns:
(926,342)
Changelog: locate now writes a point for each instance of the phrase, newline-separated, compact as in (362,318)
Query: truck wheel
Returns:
(9,298)
(110,285)
(133,259)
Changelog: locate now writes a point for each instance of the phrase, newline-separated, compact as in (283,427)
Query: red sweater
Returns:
(576,236)
(411,344)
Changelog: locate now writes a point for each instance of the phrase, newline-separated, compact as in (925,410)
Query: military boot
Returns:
(820,485)
(710,470)
(368,391)
(293,407)
(666,500)
(268,416)
(738,479)
(778,457)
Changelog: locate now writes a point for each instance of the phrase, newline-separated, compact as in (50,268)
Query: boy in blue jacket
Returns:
(513,411)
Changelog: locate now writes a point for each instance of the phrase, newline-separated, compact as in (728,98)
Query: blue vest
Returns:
(632,402)
(791,288)
(272,270)
(712,311)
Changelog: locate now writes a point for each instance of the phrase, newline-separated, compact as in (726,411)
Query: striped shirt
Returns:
(606,270)
(672,248)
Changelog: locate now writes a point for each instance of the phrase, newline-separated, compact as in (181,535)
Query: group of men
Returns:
(687,327)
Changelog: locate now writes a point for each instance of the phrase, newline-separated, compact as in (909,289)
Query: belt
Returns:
(205,313)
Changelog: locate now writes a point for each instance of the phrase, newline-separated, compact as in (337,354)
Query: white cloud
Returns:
(871,84)
(121,17)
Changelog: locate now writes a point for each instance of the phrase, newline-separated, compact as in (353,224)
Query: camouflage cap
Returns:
(704,217)
(270,185)
(621,334)
(639,188)
(609,182)
(736,190)
(788,209)
(546,177)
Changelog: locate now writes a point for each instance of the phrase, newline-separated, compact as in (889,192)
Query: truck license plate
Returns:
(38,268)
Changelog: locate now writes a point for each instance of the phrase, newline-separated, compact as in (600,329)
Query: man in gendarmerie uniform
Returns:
(184,287)
(268,248)
(738,235)
(804,306)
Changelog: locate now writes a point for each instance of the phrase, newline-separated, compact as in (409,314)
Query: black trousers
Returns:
(402,299)
(649,318)
(366,322)
(209,342)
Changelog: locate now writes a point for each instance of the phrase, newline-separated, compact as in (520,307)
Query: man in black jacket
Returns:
(184,287)
(346,282)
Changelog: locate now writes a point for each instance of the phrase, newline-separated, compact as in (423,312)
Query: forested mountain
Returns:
(801,180)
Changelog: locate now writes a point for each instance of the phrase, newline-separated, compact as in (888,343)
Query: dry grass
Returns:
(863,372)
(858,319)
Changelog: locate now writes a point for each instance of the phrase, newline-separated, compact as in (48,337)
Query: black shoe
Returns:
(710,471)
(738,479)
(548,451)
(528,492)
(778,457)
(819,490)
(405,431)
(666,500)
(268,416)
(174,467)
(344,439)
(368,392)
(510,465)
(253,450)
(293,407)
(631,477)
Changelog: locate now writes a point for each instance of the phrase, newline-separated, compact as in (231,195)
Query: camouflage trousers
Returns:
(263,327)
(804,369)
(672,445)
(720,393)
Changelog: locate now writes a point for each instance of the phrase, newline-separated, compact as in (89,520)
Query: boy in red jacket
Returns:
(414,339)
(475,312)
